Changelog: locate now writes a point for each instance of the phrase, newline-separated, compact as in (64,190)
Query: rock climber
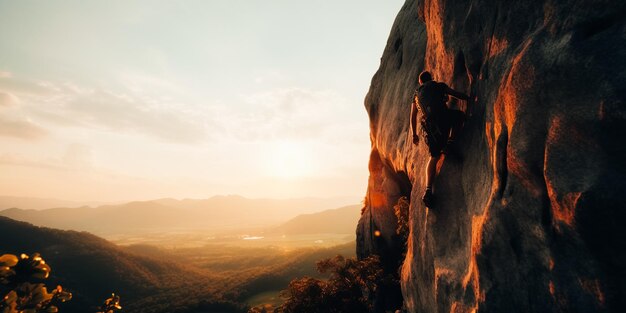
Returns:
(440,124)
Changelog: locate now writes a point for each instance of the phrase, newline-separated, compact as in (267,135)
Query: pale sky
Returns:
(131,100)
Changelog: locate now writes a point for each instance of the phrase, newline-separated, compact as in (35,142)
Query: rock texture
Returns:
(533,218)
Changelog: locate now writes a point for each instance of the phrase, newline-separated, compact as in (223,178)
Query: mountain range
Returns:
(218,213)
(333,221)
(31,203)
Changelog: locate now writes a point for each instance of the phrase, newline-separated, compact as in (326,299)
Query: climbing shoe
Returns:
(428,197)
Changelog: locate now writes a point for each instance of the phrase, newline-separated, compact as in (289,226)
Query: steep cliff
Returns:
(533,218)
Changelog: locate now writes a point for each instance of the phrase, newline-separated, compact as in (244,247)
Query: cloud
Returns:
(156,107)
(8,99)
(12,123)
(139,110)
(20,160)
(291,114)
(76,157)
(21,128)
(125,112)
(5,74)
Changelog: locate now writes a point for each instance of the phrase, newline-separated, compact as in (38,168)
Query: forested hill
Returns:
(92,268)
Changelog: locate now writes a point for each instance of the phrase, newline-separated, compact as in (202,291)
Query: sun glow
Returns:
(290,159)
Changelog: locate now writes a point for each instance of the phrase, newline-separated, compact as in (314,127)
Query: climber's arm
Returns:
(457,94)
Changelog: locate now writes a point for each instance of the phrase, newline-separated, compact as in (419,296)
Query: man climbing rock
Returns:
(440,125)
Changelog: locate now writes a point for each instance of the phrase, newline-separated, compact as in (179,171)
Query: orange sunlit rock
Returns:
(459,307)
(473,274)
(378,199)
(440,271)
(497,45)
(440,163)
(489,134)
(437,58)
(592,286)
(564,209)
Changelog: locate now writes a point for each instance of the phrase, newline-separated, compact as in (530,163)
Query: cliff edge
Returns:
(533,218)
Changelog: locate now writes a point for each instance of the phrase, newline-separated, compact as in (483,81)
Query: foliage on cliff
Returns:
(21,283)
(23,289)
(349,287)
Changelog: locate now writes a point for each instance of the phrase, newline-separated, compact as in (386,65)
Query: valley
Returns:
(179,270)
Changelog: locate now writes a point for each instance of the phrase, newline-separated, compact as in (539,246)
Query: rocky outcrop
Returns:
(533,218)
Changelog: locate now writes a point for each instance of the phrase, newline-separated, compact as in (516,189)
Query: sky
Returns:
(132,100)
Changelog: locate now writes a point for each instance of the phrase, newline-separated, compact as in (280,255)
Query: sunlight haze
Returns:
(127,100)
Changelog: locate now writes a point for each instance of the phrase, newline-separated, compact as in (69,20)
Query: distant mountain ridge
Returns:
(216,213)
(31,203)
(334,221)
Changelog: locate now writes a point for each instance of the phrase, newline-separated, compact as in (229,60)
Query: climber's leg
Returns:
(431,171)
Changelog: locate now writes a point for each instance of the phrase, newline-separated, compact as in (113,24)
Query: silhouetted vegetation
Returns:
(401,209)
(23,290)
(111,304)
(22,287)
(350,286)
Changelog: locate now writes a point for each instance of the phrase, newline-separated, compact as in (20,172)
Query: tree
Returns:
(21,284)
(111,304)
(401,209)
(349,288)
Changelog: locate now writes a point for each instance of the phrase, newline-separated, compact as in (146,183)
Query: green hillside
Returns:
(91,268)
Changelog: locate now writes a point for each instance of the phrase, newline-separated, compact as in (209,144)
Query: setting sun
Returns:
(291,160)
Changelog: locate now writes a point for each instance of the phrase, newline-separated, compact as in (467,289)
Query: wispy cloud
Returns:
(138,109)
(156,107)
(8,99)
(5,74)
(77,157)
(124,112)
(20,128)
(13,123)
(288,114)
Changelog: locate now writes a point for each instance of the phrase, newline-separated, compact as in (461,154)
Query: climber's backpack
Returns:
(431,99)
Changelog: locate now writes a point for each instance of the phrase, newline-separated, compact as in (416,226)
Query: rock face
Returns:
(533,218)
